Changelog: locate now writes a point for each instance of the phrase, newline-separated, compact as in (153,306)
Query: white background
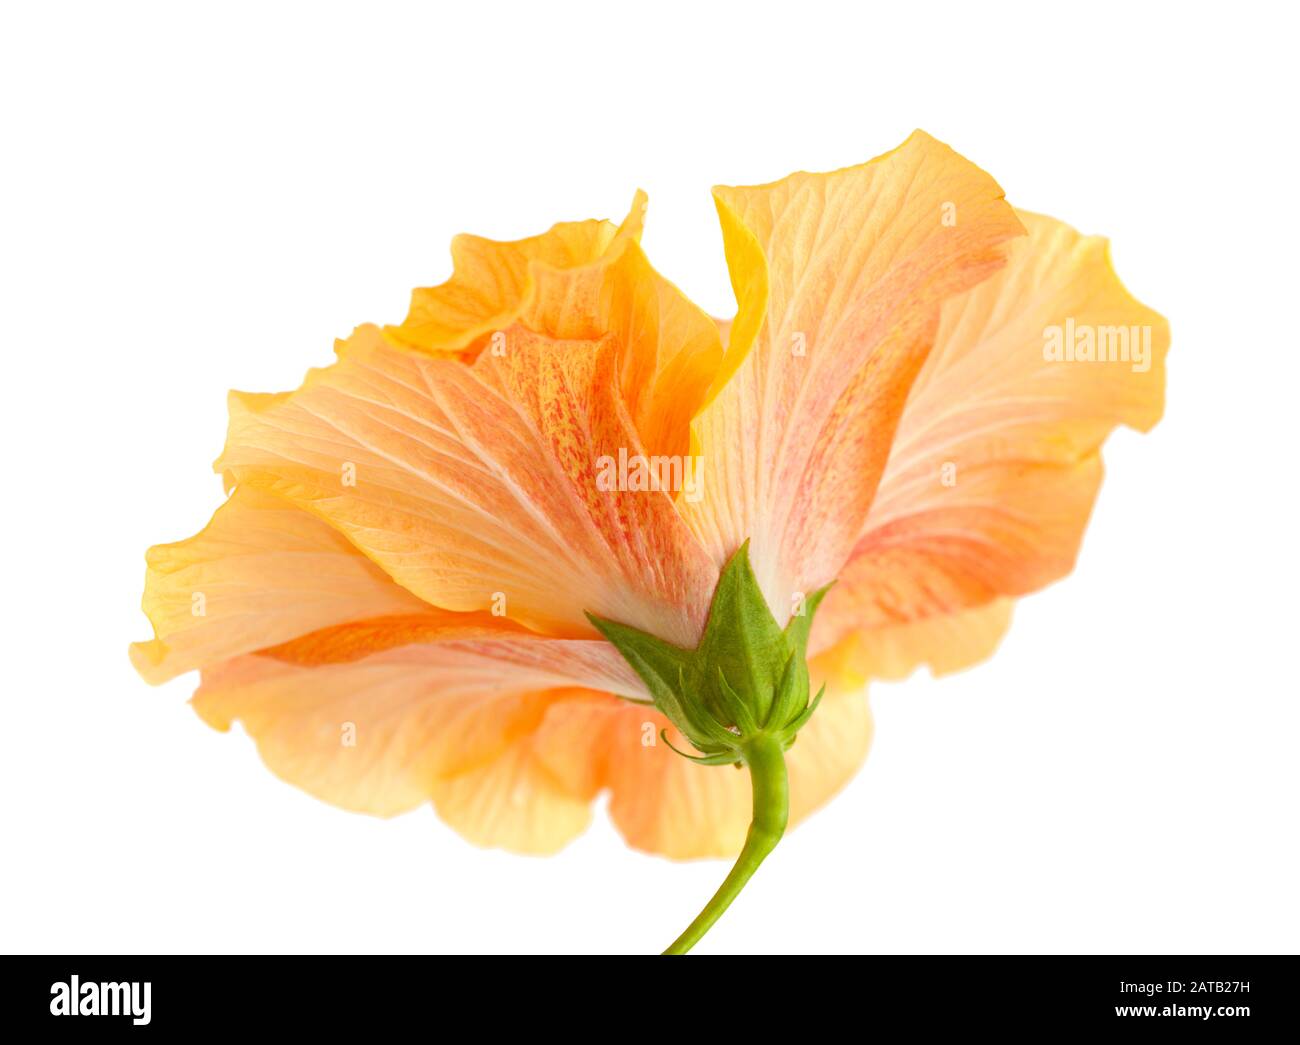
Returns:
(203,198)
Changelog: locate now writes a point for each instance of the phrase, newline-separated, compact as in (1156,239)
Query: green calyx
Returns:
(748,677)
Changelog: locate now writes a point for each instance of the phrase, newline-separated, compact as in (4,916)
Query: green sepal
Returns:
(791,692)
(660,664)
(802,719)
(738,711)
(742,640)
(748,676)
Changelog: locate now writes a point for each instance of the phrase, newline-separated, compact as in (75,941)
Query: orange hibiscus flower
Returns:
(439,554)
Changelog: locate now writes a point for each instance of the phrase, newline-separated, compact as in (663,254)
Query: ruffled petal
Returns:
(996,463)
(839,279)
(669,350)
(483,487)
(449,721)
(260,573)
(510,736)
(494,282)
(945,644)
(512,803)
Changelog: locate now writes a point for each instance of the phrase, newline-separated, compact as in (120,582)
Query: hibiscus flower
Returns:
(560,527)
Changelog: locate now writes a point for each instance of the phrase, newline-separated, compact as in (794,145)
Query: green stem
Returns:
(766,761)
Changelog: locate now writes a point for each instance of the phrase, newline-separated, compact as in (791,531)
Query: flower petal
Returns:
(474,484)
(669,350)
(996,464)
(512,803)
(491,729)
(493,282)
(839,278)
(260,573)
(443,720)
(946,644)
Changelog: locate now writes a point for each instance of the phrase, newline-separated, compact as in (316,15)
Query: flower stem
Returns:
(766,761)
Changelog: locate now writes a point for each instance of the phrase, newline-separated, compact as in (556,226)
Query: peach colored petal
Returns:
(839,278)
(491,729)
(663,803)
(671,351)
(493,282)
(996,464)
(261,572)
(439,720)
(668,349)
(512,803)
(475,484)
(570,301)
(1007,531)
(946,644)
(573,740)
